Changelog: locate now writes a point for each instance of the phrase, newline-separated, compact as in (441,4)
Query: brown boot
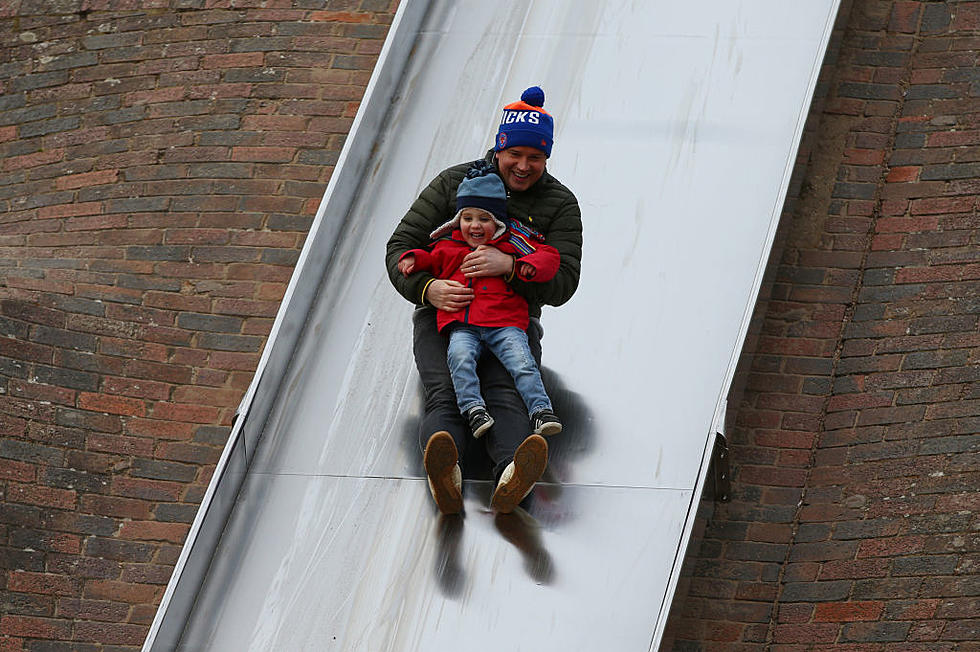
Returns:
(442,468)
(517,480)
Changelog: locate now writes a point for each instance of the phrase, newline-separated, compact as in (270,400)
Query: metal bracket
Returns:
(718,467)
(721,476)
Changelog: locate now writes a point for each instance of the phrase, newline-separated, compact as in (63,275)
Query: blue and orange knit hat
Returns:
(526,124)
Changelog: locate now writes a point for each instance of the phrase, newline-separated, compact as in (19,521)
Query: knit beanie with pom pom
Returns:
(526,124)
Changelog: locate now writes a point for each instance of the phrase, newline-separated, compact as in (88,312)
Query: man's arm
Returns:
(432,208)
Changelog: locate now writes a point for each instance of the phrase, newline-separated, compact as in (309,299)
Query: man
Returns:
(537,200)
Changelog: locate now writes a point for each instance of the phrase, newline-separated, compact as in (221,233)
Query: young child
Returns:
(497,318)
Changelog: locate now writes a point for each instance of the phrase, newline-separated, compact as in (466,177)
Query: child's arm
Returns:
(540,266)
(416,260)
(406,264)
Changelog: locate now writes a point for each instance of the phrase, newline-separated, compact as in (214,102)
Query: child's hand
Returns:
(527,271)
(406,265)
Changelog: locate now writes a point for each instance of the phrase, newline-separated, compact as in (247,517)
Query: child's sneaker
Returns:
(545,423)
(480,420)
(517,480)
(445,477)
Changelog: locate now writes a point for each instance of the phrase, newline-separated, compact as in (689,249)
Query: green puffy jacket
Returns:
(547,206)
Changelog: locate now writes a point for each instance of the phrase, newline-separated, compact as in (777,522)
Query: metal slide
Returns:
(677,128)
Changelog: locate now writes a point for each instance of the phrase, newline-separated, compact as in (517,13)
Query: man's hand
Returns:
(447,295)
(406,265)
(487,261)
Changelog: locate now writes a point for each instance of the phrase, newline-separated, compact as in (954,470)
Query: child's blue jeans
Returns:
(509,344)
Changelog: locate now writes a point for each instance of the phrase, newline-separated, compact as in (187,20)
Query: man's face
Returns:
(477,226)
(520,167)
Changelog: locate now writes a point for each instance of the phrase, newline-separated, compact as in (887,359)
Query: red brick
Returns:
(8,643)
(864,156)
(903,174)
(156,490)
(159,429)
(790,403)
(111,404)
(145,389)
(30,627)
(928,274)
(116,506)
(770,532)
(905,17)
(70,210)
(99,610)
(795,613)
(86,179)
(14,470)
(33,160)
(188,452)
(41,496)
(110,633)
(785,439)
(153,531)
(808,633)
(41,392)
(263,154)
(795,346)
(167,94)
(840,612)
(236,60)
(854,569)
(907,224)
(772,476)
(235,361)
(184,412)
(966,17)
(943,205)
(858,401)
(891,546)
(96,223)
(121,591)
(920,609)
(45,583)
(120,444)
(222,91)
(195,236)
(297,123)
(341,16)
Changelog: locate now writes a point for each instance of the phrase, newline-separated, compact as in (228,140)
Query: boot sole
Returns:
(439,460)
(530,461)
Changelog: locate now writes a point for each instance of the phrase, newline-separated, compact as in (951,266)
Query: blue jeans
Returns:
(509,344)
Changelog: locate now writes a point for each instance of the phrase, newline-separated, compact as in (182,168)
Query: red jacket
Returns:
(494,302)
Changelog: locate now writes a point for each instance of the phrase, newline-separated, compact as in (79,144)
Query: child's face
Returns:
(477,226)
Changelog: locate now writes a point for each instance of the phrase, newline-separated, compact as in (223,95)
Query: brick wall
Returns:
(853,524)
(160,165)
